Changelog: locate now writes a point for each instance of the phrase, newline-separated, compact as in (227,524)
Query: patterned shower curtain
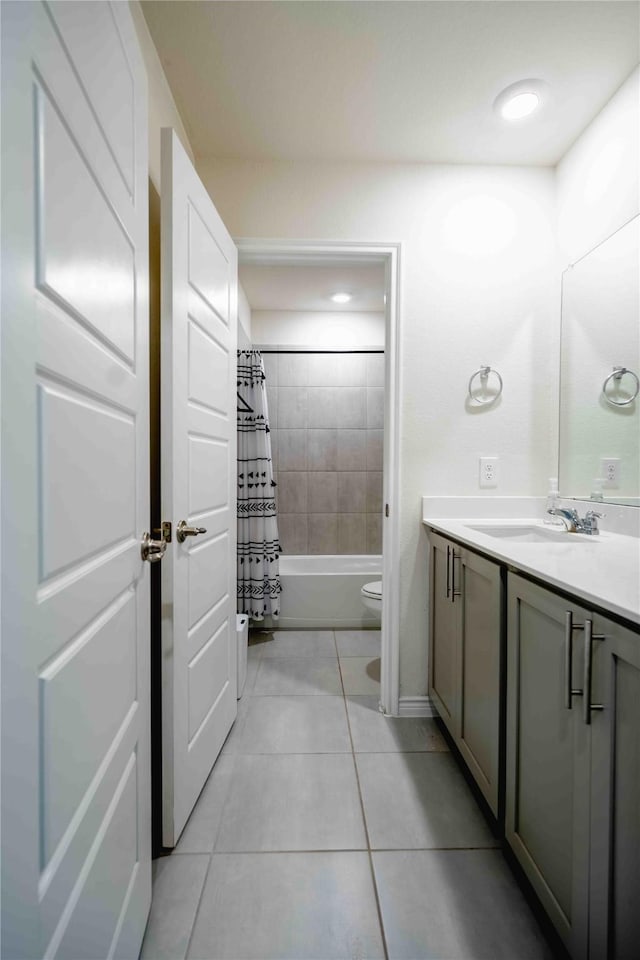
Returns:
(258,545)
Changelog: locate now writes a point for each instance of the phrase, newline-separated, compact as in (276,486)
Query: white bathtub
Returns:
(324,592)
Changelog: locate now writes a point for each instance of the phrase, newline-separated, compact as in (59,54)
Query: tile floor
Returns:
(327,830)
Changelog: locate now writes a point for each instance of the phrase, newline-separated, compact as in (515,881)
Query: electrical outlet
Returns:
(610,471)
(489,471)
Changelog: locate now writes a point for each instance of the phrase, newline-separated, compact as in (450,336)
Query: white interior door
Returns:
(76,872)
(199,335)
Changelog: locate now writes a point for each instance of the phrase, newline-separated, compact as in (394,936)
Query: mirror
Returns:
(600,430)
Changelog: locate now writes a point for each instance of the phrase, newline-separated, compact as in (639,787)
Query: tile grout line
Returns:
(364,821)
(241,853)
(211,852)
(197,911)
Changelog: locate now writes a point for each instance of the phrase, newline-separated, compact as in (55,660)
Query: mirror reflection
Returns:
(599,365)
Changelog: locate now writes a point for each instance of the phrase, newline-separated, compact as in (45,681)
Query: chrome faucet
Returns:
(576,524)
(570,518)
(590,522)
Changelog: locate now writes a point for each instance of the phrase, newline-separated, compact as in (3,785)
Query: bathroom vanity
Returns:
(535,671)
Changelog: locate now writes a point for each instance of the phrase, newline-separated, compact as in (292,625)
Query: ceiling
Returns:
(389,81)
(308,288)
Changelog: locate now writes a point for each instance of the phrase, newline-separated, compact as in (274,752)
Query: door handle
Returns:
(589,635)
(569,690)
(448,568)
(454,593)
(152,550)
(183,530)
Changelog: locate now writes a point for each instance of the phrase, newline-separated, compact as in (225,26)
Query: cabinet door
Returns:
(548,770)
(444,667)
(480,645)
(615,808)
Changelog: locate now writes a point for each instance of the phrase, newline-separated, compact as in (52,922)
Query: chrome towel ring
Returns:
(483,372)
(617,375)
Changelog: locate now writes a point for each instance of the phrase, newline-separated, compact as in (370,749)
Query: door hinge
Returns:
(164,531)
(386,509)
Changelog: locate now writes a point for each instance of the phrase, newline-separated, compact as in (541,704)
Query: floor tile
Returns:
(231,743)
(254,656)
(372,732)
(201,828)
(177,885)
(301,676)
(360,675)
(300,643)
(451,904)
(288,906)
(358,643)
(292,802)
(295,725)
(414,800)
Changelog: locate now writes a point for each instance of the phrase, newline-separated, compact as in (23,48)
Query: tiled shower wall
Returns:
(326,412)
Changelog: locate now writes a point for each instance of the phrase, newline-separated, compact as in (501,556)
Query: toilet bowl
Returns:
(371,595)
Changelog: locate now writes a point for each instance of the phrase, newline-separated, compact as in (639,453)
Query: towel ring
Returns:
(618,374)
(483,373)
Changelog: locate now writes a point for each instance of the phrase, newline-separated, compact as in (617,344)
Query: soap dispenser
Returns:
(553,502)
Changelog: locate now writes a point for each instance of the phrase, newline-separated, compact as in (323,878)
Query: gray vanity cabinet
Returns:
(573,776)
(465,650)
(614,928)
(444,686)
(548,764)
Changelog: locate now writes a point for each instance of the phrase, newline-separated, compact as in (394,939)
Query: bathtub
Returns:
(324,592)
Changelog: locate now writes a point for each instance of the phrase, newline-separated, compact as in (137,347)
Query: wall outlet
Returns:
(610,471)
(489,471)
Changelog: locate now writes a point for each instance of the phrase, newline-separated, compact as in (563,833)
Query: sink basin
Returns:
(528,533)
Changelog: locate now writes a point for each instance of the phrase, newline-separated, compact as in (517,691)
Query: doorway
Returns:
(386,257)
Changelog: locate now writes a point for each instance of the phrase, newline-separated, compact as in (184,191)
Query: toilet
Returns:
(371,595)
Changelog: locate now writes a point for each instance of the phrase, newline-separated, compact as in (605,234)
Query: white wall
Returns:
(599,177)
(318,329)
(245,321)
(162,108)
(478,285)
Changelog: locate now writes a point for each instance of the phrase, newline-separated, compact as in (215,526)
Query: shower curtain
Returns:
(258,545)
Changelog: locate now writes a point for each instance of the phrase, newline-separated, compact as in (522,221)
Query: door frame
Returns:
(316,252)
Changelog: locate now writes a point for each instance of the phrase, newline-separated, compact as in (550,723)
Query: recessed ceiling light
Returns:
(341,297)
(520,100)
(520,106)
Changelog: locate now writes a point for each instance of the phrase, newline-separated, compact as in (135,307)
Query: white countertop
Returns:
(603,570)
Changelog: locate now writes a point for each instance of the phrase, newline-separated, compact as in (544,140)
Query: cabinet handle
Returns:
(589,635)
(569,691)
(448,568)
(454,593)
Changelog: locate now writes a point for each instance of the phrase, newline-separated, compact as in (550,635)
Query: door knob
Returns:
(183,530)
(152,550)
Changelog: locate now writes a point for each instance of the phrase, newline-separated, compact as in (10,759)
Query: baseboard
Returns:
(416,707)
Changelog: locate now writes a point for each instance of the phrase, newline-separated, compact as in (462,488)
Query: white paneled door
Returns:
(199,307)
(76,878)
